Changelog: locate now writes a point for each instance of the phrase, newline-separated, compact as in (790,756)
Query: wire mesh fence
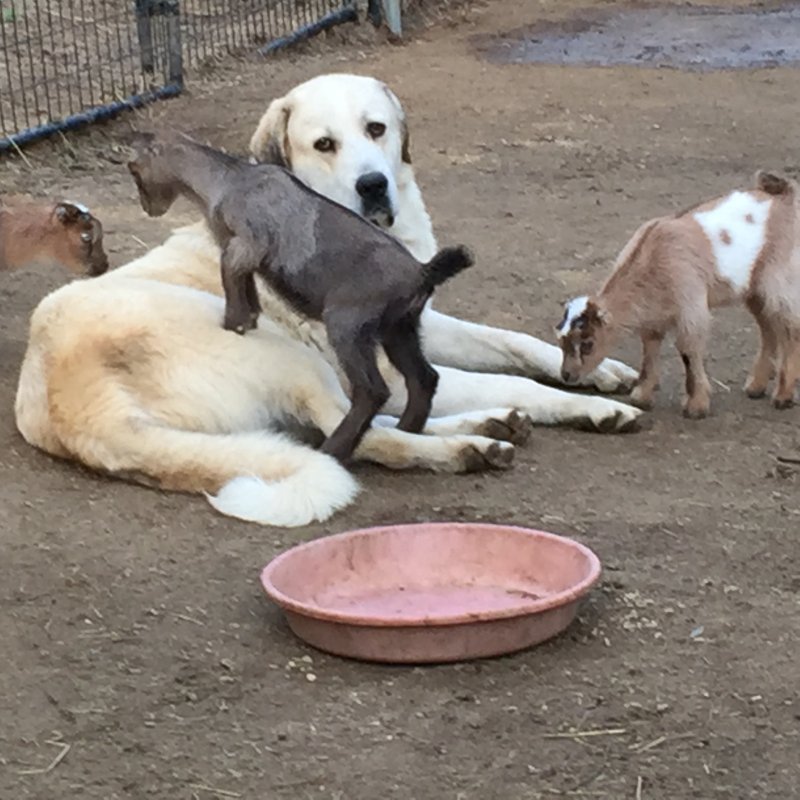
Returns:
(211,27)
(65,64)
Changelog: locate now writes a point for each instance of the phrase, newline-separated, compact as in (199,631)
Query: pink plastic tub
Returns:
(431,592)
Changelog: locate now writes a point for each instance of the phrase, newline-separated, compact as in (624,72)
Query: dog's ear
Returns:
(405,149)
(270,143)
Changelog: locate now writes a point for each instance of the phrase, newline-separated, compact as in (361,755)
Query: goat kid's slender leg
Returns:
(355,350)
(691,341)
(254,304)
(237,273)
(642,395)
(764,365)
(404,350)
(788,372)
(466,444)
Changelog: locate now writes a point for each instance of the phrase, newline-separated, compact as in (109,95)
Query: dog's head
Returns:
(345,136)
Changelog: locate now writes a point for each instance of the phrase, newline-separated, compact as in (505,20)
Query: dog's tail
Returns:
(300,486)
(257,476)
(445,264)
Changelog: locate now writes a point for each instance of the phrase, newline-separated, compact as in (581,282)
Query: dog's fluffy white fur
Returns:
(131,373)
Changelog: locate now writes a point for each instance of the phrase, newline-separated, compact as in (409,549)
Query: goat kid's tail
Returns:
(773,184)
(449,261)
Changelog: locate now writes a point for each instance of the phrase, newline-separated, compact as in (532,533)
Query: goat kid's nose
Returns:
(372,184)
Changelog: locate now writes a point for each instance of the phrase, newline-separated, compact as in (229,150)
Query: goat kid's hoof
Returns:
(236,326)
(694,412)
(516,427)
(755,392)
(644,402)
(782,403)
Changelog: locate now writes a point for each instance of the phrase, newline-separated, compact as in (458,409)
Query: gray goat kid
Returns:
(326,261)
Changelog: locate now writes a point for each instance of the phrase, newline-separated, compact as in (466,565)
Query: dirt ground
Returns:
(133,629)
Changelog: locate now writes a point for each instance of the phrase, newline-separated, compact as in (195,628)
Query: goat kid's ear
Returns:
(594,314)
(142,140)
(68,213)
(144,144)
(602,316)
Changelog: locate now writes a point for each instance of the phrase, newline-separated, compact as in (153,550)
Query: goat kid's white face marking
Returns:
(339,108)
(736,241)
(572,311)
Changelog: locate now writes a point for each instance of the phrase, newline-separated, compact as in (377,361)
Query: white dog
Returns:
(131,373)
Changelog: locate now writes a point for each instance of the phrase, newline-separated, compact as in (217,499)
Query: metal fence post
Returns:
(390,11)
(144,30)
(172,12)
(375,12)
(393,13)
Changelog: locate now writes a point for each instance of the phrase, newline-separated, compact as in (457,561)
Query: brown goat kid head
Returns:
(81,248)
(157,187)
(584,337)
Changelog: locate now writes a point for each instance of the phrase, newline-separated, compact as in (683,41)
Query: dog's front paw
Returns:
(612,376)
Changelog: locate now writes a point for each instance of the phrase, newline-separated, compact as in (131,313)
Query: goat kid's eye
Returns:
(325,145)
(586,348)
(376,129)
(86,237)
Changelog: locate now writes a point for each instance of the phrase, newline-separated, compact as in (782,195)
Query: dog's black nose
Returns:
(372,185)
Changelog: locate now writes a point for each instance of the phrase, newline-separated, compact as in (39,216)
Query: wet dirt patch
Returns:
(701,38)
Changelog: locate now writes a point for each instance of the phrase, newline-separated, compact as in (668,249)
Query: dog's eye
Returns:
(325,145)
(586,347)
(376,129)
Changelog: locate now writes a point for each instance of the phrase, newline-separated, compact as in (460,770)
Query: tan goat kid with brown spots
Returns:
(743,247)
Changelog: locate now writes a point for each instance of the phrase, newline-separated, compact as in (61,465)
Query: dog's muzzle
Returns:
(373,189)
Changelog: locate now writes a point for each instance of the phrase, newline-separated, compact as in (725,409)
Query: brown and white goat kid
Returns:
(744,246)
(66,234)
